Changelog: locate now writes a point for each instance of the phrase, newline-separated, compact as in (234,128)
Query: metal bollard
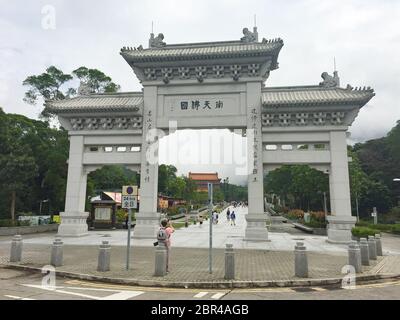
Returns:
(229,262)
(379,251)
(16,249)
(161,261)
(56,259)
(104,257)
(372,247)
(300,260)
(364,249)
(355,256)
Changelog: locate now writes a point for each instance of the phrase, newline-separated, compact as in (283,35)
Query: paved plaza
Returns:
(197,236)
(267,261)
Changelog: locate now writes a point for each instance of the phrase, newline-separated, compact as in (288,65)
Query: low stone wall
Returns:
(10,231)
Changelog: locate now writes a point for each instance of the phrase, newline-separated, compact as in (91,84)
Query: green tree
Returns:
(49,85)
(110,178)
(96,80)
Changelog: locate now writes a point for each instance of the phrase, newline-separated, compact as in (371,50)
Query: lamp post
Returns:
(398,197)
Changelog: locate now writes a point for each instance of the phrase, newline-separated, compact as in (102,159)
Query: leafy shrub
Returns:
(13,223)
(296,214)
(318,216)
(120,215)
(396,228)
(363,232)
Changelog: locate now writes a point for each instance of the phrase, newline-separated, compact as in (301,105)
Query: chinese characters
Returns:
(199,105)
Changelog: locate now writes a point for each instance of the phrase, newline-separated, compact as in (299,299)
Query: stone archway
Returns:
(213,85)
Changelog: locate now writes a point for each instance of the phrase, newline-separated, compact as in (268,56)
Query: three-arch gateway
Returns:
(211,85)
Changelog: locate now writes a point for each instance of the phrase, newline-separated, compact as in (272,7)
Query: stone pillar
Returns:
(364,249)
(103,263)
(379,251)
(229,262)
(148,219)
(256,229)
(300,261)
(56,259)
(355,256)
(73,220)
(341,221)
(160,269)
(372,247)
(16,249)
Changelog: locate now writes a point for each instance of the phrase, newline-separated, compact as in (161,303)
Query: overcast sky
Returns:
(364,36)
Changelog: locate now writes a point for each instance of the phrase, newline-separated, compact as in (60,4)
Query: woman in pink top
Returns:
(169,229)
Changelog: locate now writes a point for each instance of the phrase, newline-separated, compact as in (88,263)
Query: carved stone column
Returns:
(73,220)
(341,221)
(256,219)
(148,219)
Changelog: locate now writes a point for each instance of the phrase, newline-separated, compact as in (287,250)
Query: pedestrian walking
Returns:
(228,215)
(164,238)
(233,218)
(201,220)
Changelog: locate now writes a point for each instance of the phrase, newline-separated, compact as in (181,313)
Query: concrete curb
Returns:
(210,284)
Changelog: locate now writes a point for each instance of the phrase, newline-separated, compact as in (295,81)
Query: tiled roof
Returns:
(203,50)
(98,102)
(204,176)
(314,95)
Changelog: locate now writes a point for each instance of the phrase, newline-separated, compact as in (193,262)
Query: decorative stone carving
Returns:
(248,36)
(319,118)
(92,123)
(106,123)
(254,70)
(235,71)
(218,71)
(150,73)
(121,123)
(329,81)
(77,124)
(167,74)
(156,42)
(84,89)
(267,119)
(201,73)
(184,72)
(301,119)
(284,119)
(337,118)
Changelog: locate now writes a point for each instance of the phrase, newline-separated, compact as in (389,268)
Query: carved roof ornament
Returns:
(156,42)
(84,89)
(249,36)
(330,81)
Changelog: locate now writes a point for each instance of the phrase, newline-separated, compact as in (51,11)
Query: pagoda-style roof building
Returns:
(203,179)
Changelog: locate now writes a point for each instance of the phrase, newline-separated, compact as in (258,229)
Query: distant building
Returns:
(202,180)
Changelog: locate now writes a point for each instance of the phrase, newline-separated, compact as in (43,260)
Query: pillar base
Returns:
(73,224)
(256,229)
(147,225)
(339,229)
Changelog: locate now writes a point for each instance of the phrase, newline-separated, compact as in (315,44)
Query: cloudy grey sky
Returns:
(363,35)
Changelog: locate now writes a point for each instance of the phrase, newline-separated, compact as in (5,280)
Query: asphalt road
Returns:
(21,285)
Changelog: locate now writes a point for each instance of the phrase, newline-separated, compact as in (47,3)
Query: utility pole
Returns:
(210,204)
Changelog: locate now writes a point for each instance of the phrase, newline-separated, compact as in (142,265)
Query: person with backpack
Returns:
(163,238)
(233,218)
